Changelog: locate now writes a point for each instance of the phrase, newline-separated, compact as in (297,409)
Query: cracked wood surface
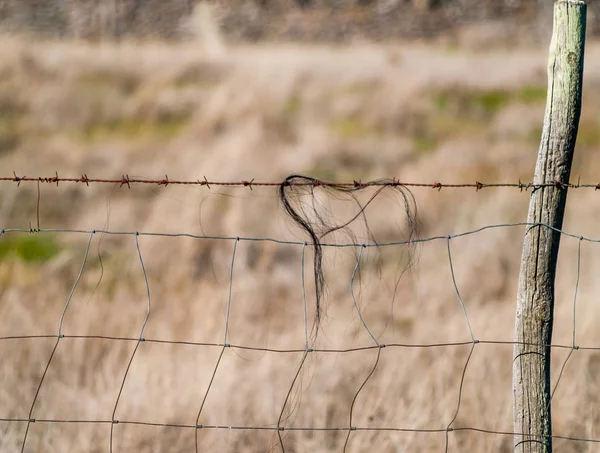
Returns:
(535,299)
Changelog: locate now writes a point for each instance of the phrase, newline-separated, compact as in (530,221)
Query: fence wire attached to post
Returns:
(284,424)
(534,318)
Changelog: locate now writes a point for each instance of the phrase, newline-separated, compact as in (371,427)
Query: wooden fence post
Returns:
(535,299)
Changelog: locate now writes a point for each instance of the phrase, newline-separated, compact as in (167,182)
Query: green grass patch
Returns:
(126,83)
(404,325)
(342,165)
(466,102)
(424,143)
(441,101)
(12,120)
(11,134)
(349,128)
(588,134)
(363,89)
(468,111)
(534,135)
(352,128)
(201,74)
(30,248)
(532,94)
(292,105)
(133,129)
(491,101)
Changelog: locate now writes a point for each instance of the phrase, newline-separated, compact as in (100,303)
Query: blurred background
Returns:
(421,90)
(260,20)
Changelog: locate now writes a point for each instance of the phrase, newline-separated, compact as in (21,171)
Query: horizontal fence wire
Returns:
(127,181)
(279,426)
(299,243)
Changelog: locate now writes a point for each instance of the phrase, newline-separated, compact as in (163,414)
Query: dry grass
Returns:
(415,112)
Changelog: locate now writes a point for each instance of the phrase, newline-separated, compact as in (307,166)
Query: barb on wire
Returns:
(126,180)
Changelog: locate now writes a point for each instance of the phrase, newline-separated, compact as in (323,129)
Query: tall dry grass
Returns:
(419,113)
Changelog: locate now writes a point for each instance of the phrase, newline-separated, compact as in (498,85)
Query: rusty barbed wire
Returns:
(126,180)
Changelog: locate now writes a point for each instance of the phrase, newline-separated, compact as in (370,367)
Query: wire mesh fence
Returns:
(353,330)
(137,356)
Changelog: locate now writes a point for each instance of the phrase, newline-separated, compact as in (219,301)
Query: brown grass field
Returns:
(417,112)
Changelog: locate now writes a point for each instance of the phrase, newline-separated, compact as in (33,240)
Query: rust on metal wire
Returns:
(126,180)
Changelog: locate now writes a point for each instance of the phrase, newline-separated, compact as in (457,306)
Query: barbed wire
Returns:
(280,427)
(127,181)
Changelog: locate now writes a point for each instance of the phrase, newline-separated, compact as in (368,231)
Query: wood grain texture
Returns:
(535,299)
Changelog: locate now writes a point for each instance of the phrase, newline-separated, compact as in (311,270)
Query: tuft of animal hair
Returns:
(297,196)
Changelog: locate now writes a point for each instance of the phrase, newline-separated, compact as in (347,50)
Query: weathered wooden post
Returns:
(535,299)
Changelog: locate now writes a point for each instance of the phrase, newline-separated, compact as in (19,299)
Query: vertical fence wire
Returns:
(364,324)
(303,280)
(137,345)
(573,345)
(474,342)
(225,344)
(58,338)
(280,427)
